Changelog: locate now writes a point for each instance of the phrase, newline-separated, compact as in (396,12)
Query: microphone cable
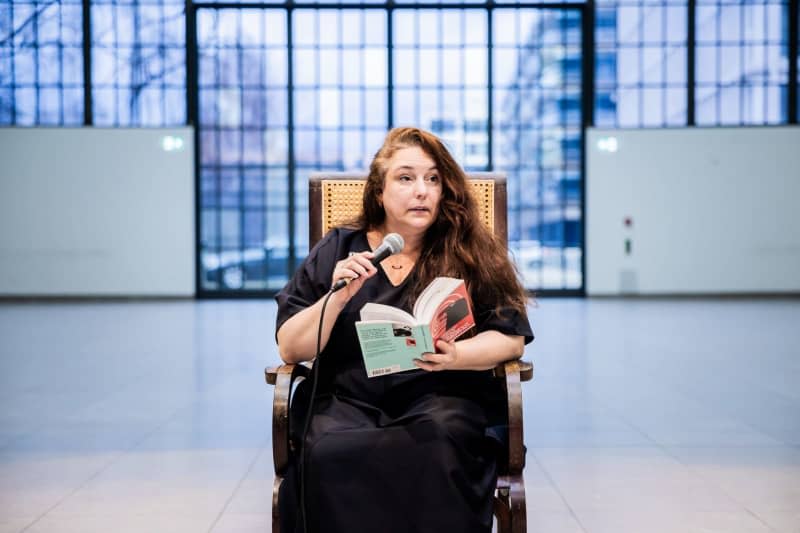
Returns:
(307,422)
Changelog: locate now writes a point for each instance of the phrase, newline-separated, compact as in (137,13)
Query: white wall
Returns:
(714,211)
(96,212)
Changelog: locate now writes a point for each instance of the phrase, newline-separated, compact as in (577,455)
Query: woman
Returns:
(403,452)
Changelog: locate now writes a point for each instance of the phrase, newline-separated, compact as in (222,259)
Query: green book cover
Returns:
(392,347)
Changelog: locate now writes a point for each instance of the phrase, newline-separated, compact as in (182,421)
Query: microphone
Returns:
(392,244)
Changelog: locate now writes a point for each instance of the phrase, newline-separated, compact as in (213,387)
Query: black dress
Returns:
(406,452)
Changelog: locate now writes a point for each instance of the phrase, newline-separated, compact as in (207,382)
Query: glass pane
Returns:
(640,64)
(742,68)
(41,63)
(537,140)
(138,63)
(441,78)
(340,81)
(243,95)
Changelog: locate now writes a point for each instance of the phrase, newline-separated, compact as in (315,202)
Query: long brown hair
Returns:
(457,244)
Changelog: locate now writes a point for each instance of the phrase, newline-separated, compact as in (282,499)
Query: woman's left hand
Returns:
(444,358)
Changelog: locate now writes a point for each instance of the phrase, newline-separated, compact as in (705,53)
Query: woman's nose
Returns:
(420,187)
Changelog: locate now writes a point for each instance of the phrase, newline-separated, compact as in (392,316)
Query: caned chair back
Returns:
(335,199)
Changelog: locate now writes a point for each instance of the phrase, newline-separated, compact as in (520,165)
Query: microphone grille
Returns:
(395,242)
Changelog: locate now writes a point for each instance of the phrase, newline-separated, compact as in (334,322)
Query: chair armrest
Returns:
(282,377)
(515,372)
(525,369)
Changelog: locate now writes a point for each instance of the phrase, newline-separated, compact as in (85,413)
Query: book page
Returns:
(372,312)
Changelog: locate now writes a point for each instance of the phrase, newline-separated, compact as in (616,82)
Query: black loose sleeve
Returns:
(505,320)
(311,280)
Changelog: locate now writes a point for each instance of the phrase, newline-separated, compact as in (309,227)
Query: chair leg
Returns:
(516,503)
(501,512)
(276,523)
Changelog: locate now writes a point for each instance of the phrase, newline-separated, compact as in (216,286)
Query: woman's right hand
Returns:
(358,268)
(297,337)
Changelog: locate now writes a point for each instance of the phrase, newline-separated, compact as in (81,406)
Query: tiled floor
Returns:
(644,416)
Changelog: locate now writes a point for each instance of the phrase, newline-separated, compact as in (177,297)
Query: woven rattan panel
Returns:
(341,201)
(483,192)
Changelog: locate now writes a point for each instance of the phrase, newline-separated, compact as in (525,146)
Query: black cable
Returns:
(306,424)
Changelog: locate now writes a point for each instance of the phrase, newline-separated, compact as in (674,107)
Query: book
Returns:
(391,338)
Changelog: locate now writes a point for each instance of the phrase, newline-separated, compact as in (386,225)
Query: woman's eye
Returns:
(405,178)
(433,179)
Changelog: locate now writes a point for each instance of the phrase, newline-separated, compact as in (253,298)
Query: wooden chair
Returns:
(335,198)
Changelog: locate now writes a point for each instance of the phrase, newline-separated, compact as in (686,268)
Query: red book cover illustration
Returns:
(453,317)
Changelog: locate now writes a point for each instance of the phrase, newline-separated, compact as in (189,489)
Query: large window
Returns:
(739,58)
(440,60)
(741,69)
(347,75)
(537,134)
(641,63)
(340,96)
(244,167)
(41,63)
(138,62)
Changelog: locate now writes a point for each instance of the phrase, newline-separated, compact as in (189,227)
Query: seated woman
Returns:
(405,452)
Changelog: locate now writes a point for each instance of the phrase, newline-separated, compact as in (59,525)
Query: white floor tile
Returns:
(243,523)
(762,479)
(133,521)
(782,521)
(561,522)
(636,521)
(14,525)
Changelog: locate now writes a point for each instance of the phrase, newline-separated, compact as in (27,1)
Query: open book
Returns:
(391,338)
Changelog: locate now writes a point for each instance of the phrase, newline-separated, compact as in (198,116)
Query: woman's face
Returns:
(411,191)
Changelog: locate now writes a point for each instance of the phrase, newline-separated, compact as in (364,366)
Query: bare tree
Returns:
(147,66)
(23,33)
